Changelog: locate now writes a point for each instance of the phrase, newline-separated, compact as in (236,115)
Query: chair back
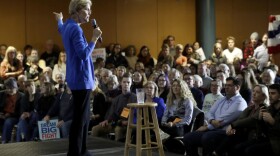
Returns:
(197,119)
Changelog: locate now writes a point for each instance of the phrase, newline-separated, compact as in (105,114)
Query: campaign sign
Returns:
(48,130)
(100,52)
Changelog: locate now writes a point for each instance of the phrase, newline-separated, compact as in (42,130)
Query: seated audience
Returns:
(232,52)
(215,95)
(179,109)
(42,106)
(28,118)
(120,71)
(163,86)
(62,109)
(198,49)
(137,81)
(218,56)
(115,120)
(60,67)
(61,83)
(50,55)
(165,56)
(116,58)
(10,66)
(197,93)
(33,71)
(221,114)
(244,130)
(145,57)
(179,59)
(105,74)
(98,106)
(11,107)
(268,77)
(202,72)
(3,48)
(130,55)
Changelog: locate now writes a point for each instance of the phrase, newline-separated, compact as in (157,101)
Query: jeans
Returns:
(27,128)
(65,128)
(8,126)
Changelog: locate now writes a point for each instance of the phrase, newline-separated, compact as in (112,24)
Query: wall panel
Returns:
(40,21)
(105,13)
(137,23)
(12,23)
(176,17)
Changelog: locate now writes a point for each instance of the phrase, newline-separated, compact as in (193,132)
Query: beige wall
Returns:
(138,22)
(240,18)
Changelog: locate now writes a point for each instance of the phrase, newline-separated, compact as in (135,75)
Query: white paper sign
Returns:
(100,52)
(48,130)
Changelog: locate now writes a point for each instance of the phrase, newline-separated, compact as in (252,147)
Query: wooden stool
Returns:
(143,113)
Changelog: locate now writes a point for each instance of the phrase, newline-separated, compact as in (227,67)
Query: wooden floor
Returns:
(97,147)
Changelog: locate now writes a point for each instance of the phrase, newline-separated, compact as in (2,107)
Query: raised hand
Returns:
(58,16)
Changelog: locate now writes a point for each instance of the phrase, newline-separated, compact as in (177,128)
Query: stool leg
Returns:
(155,121)
(128,132)
(147,131)
(139,133)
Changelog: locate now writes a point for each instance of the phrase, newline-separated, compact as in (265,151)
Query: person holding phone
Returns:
(269,119)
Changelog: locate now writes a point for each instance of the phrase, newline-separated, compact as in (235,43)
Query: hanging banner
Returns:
(273,43)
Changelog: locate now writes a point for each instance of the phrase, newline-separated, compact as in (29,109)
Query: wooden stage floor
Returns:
(97,147)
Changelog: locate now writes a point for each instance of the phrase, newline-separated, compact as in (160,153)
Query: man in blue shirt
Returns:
(221,114)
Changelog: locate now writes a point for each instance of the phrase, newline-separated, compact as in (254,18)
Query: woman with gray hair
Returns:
(79,70)
(268,77)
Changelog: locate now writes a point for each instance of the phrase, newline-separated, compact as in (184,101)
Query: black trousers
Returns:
(80,122)
(253,147)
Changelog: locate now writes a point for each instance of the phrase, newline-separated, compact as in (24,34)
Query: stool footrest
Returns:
(151,126)
(143,146)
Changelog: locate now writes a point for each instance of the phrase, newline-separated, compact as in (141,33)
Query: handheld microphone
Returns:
(94,25)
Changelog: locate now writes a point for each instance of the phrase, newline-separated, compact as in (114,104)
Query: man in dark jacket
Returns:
(11,107)
(63,110)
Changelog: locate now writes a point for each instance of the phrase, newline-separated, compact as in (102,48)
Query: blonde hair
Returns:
(9,50)
(155,85)
(59,62)
(185,93)
(77,5)
(264,90)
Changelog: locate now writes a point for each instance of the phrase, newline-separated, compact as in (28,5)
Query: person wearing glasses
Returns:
(221,114)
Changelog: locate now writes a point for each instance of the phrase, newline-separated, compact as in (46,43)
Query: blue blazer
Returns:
(79,66)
